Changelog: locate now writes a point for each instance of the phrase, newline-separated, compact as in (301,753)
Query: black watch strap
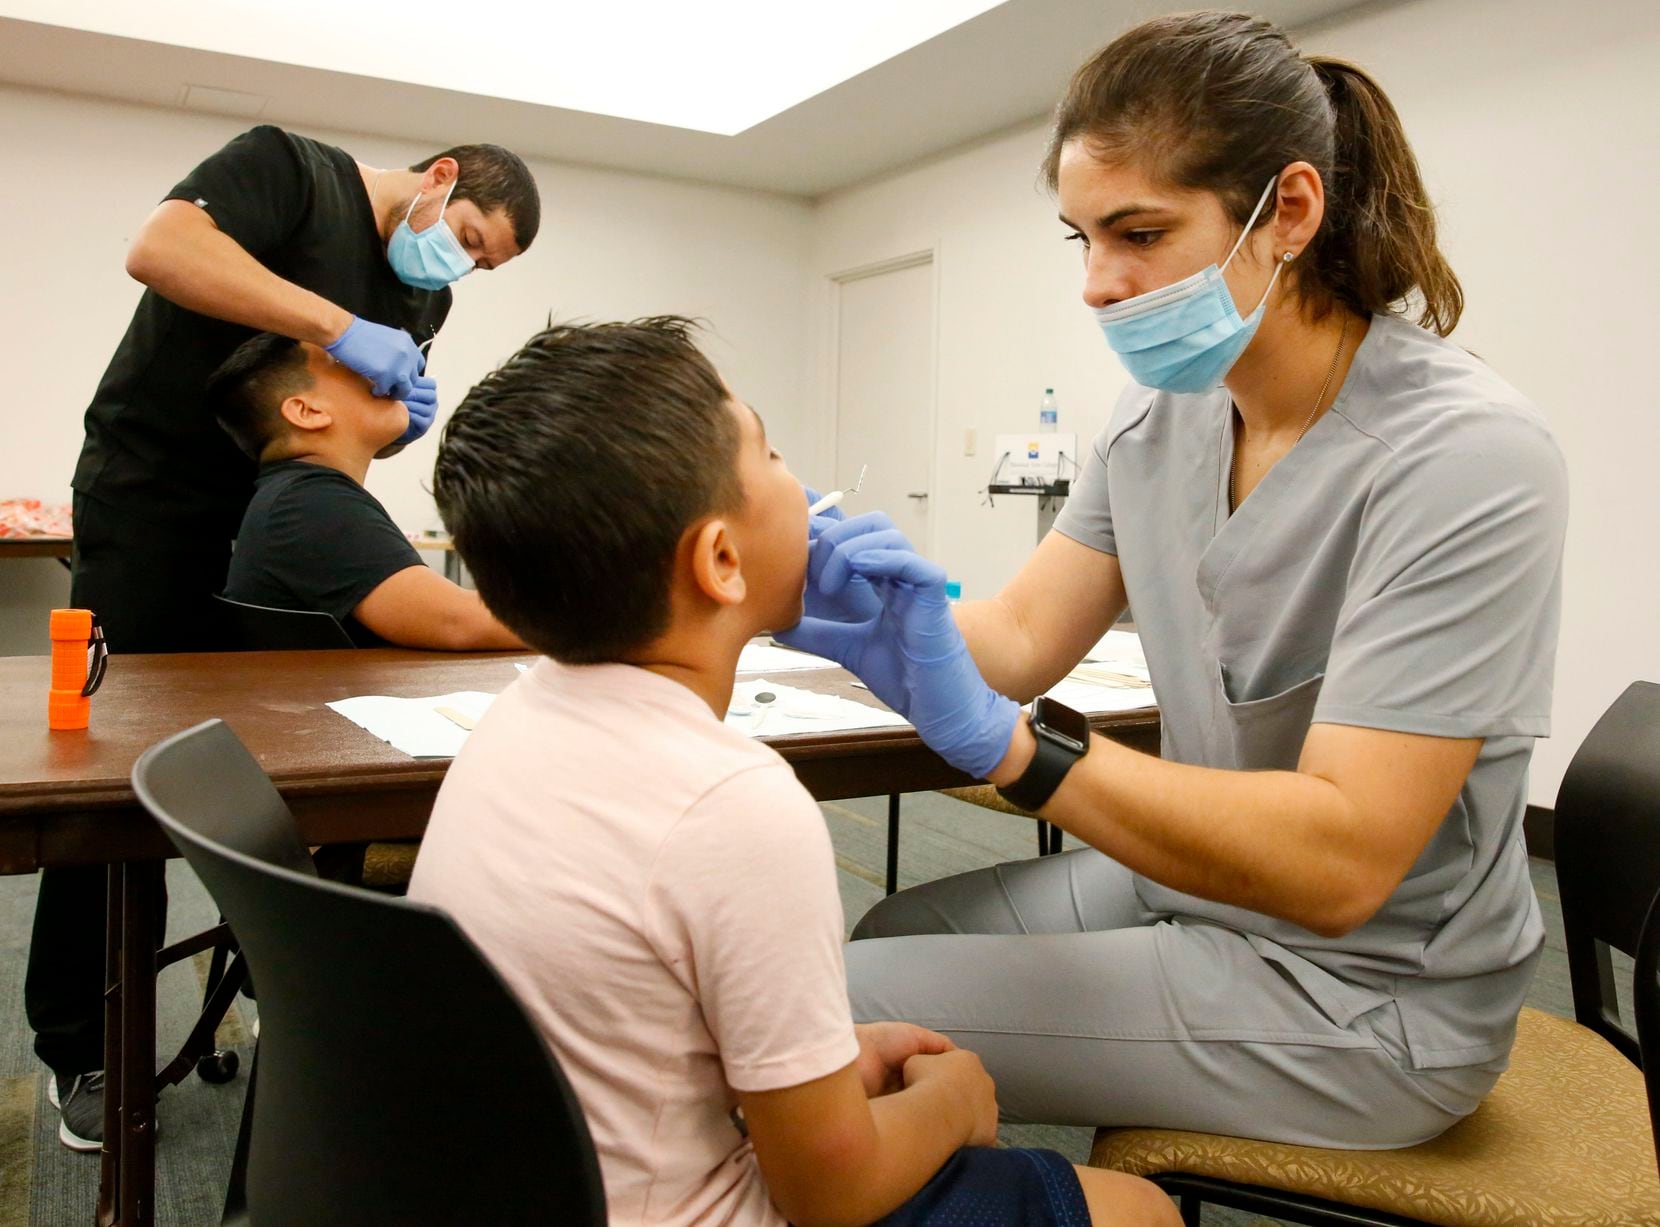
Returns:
(1056,752)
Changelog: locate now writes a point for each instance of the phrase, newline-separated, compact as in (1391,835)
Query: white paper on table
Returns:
(414,725)
(1091,697)
(1120,651)
(764,658)
(801,711)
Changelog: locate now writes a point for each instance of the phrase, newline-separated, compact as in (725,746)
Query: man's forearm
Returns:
(189,261)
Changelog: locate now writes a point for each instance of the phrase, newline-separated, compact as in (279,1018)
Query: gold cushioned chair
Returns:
(1568,1135)
(986,797)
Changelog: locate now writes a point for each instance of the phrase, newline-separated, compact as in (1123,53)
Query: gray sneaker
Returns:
(82,1126)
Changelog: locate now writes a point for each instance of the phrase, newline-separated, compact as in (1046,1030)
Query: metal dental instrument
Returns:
(835,496)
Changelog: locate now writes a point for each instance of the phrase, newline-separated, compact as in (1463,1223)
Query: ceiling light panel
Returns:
(718,66)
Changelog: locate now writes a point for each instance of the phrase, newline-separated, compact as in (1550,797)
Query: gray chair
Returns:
(400,1081)
(261,628)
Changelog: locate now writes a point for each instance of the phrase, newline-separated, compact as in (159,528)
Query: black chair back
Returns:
(260,628)
(400,1080)
(1607,836)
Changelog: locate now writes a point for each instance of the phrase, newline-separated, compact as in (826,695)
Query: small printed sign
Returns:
(1036,460)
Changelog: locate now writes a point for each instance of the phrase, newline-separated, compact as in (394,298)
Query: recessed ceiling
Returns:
(716,66)
(1005,66)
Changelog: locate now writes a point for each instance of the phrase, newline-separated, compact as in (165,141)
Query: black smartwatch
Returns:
(1062,739)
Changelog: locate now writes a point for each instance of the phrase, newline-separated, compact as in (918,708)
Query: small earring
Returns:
(1289,256)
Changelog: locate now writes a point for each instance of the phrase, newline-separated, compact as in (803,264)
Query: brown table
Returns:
(452,560)
(37,547)
(66,799)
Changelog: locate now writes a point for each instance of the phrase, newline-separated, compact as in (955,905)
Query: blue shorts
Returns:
(981,1186)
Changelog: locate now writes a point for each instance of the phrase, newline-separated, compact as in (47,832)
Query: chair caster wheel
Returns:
(220,1066)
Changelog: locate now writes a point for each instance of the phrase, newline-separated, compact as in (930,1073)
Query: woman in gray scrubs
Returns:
(1311,920)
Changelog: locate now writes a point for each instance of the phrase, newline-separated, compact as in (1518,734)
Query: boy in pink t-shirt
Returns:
(657,888)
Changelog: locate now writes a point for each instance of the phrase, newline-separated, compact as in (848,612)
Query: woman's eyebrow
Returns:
(1112,219)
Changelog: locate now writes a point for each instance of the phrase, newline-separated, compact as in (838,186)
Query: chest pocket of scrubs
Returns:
(1265,734)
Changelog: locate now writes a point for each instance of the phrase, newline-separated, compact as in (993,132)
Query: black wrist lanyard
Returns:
(98,661)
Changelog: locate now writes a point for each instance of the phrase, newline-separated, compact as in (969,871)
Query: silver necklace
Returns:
(1325,386)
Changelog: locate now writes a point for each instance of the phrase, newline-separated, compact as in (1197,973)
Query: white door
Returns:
(885,392)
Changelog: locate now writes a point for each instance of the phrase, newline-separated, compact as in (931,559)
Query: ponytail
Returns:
(1221,102)
(1377,244)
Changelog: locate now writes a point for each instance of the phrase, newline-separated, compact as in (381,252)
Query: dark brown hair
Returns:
(496,178)
(1221,102)
(569,474)
(247,391)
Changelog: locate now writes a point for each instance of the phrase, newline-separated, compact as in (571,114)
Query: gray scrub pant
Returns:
(1087,1013)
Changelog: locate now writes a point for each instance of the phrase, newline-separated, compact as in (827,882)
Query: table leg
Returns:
(109,1170)
(138,1040)
(893,842)
(126,1195)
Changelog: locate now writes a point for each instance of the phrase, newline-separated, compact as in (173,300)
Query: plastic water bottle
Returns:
(1049,412)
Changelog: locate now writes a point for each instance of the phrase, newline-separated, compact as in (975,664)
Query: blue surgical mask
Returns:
(431,259)
(1186,336)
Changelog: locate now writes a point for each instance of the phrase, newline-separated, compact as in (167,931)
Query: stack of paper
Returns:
(1112,677)
(1122,650)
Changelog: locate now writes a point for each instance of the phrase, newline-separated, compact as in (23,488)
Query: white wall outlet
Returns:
(968,441)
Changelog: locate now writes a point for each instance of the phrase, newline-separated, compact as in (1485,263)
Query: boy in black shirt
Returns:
(313,538)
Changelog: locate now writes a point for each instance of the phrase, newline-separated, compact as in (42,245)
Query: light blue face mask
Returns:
(431,259)
(1186,336)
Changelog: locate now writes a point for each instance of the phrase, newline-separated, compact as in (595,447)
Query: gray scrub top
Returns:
(1400,568)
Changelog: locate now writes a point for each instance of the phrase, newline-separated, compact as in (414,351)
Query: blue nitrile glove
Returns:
(854,603)
(910,653)
(422,403)
(386,357)
(842,619)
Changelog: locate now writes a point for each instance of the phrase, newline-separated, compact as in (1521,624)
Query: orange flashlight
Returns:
(79,657)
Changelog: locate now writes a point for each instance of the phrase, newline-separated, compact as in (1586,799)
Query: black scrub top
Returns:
(153,450)
(314,539)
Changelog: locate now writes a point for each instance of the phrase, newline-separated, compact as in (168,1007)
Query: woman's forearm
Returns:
(1003,649)
(1032,633)
(1284,843)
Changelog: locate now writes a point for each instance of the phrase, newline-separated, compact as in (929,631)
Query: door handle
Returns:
(917,494)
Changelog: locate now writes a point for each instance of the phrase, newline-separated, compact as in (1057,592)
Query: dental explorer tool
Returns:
(835,496)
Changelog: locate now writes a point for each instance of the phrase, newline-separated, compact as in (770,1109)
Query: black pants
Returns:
(152,589)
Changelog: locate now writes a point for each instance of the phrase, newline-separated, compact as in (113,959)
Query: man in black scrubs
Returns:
(273,233)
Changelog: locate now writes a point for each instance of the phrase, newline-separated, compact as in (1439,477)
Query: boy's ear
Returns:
(716,568)
(303,414)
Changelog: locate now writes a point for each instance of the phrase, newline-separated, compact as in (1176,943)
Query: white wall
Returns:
(1009,320)
(85,173)
(1535,125)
